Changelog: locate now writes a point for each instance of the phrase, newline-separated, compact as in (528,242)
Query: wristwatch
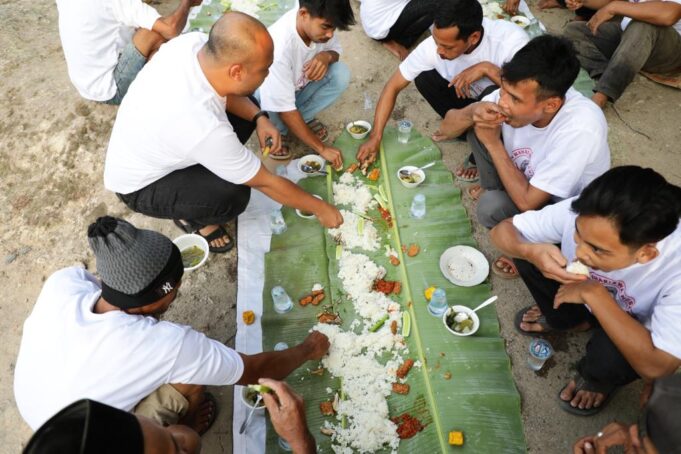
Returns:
(261,113)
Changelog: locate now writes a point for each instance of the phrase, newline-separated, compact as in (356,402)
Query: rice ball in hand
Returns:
(577,267)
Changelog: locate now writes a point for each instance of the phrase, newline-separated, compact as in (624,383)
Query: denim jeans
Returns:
(130,63)
(317,95)
(614,56)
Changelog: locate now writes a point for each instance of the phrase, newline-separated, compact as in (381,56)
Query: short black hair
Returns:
(464,14)
(642,205)
(549,60)
(338,12)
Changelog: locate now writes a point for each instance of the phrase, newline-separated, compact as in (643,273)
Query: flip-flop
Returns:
(499,270)
(541,321)
(466,165)
(583,384)
(285,151)
(216,410)
(316,126)
(214,235)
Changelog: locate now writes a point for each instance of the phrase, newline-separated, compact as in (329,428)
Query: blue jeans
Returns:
(316,96)
(130,62)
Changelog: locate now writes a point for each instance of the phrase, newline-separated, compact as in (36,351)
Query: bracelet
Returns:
(261,113)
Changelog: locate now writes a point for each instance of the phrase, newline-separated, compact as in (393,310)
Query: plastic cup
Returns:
(540,351)
(404,131)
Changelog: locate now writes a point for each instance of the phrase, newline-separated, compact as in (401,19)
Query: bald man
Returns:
(176,153)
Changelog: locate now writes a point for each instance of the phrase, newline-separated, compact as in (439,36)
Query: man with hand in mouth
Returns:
(536,140)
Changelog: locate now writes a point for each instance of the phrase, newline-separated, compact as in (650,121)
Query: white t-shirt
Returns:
(93,33)
(650,292)
(499,44)
(627,20)
(286,77)
(172,118)
(565,156)
(69,353)
(379,15)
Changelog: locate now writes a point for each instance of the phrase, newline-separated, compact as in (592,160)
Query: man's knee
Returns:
(168,403)
(339,75)
(576,31)
(494,207)
(235,198)
(637,30)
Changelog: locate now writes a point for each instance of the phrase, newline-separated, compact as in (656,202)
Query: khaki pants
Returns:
(165,405)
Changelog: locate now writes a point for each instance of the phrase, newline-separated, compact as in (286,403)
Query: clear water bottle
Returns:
(534,29)
(281,170)
(540,351)
(282,302)
(418,206)
(280,346)
(438,303)
(277,223)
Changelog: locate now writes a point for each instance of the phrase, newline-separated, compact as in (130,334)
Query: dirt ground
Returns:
(52,148)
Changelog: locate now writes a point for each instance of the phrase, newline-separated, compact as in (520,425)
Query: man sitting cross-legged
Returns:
(458,65)
(103,340)
(536,140)
(174,153)
(624,227)
(306,76)
(106,43)
(648,38)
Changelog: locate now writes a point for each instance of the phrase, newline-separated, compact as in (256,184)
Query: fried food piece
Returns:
(317,292)
(327,408)
(374,175)
(329,318)
(385,287)
(393,327)
(394,261)
(326,431)
(407,425)
(352,167)
(364,166)
(404,248)
(397,288)
(447,376)
(318,299)
(401,388)
(248,317)
(456,438)
(413,250)
(304,301)
(404,369)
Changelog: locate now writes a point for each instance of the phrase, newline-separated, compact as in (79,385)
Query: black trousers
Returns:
(602,363)
(195,194)
(434,88)
(414,20)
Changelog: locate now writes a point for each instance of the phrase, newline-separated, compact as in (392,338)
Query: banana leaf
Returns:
(268,13)
(465,383)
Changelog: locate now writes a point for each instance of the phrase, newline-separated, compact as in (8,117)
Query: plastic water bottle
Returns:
(418,206)
(540,351)
(281,170)
(277,223)
(438,303)
(280,346)
(282,302)
(534,29)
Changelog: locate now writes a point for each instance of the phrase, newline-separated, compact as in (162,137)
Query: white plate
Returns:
(473,266)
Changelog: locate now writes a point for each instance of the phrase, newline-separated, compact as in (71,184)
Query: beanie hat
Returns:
(138,267)
(661,418)
(88,427)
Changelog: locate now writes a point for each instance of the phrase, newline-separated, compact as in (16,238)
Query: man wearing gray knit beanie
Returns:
(102,340)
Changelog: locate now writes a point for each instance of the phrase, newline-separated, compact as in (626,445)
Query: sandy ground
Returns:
(52,148)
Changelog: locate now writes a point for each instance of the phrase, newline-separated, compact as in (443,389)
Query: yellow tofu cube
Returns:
(456,438)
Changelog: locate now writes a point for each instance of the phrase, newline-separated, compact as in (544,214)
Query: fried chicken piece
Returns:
(327,408)
(329,318)
(400,388)
(385,287)
(413,250)
(318,299)
(374,175)
(393,327)
(404,369)
(352,167)
(397,288)
(317,292)
(304,301)
(394,261)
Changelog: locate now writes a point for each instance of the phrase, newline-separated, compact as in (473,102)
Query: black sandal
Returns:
(214,235)
(210,397)
(582,384)
(541,321)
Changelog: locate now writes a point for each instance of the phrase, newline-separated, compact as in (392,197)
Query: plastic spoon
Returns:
(308,169)
(257,401)
(486,303)
(407,173)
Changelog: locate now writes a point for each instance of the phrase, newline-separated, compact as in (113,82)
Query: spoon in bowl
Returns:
(486,303)
(250,414)
(407,173)
(309,169)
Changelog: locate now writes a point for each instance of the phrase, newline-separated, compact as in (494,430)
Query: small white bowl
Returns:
(362,123)
(520,21)
(416,171)
(469,312)
(246,402)
(300,213)
(466,258)
(311,158)
(192,239)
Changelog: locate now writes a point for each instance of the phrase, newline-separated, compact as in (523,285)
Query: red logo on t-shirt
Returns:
(521,158)
(618,290)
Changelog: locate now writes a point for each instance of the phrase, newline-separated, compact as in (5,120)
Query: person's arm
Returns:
(287,413)
(172,25)
(385,106)
(522,193)
(291,195)
(662,14)
(632,339)
(317,67)
(296,124)
(278,365)
(243,107)
(591,4)
(462,81)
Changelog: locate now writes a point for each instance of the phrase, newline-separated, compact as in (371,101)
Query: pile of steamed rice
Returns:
(348,234)
(350,191)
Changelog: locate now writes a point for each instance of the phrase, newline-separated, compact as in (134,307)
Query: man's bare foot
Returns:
(533,321)
(475,191)
(582,399)
(467,172)
(600,99)
(204,416)
(398,50)
(548,4)
(222,241)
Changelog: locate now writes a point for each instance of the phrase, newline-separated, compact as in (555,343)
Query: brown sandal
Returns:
(285,151)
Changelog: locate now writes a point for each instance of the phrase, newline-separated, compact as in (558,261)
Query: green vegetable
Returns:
(376,326)
(360,226)
(262,389)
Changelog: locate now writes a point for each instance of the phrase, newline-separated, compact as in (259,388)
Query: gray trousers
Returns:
(494,204)
(615,57)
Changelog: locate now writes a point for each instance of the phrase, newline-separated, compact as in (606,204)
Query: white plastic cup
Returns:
(192,239)
(404,131)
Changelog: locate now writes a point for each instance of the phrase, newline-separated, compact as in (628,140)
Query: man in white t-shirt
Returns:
(175,153)
(536,140)
(624,230)
(306,76)
(106,43)
(103,340)
(648,38)
(397,24)
(458,65)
